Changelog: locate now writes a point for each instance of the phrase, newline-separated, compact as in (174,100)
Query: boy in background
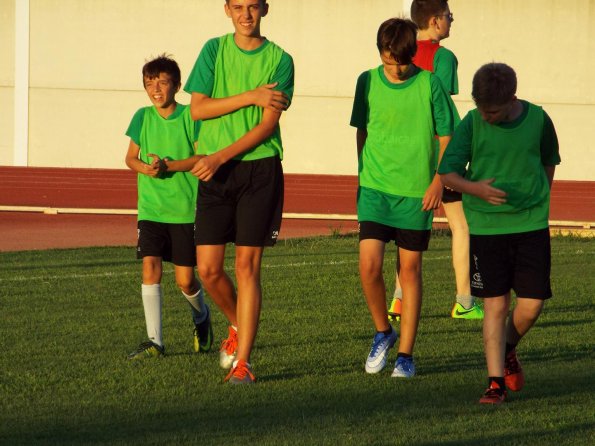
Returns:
(240,85)
(397,110)
(512,150)
(160,134)
(434,19)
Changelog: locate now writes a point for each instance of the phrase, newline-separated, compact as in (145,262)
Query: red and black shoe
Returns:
(493,394)
(513,372)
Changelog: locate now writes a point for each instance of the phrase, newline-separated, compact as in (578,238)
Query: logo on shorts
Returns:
(275,235)
(477,282)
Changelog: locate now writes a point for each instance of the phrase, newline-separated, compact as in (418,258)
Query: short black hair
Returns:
(494,84)
(399,36)
(162,64)
(423,10)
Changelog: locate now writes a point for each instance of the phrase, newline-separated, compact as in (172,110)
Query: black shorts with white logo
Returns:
(451,196)
(521,262)
(409,239)
(242,203)
(174,242)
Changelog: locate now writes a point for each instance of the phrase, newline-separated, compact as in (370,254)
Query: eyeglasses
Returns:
(449,16)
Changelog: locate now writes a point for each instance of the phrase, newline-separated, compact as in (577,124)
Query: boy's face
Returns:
(246,15)
(443,23)
(161,90)
(392,69)
(495,114)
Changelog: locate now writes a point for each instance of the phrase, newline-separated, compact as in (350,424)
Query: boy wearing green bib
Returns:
(511,150)
(240,84)
(397,110)
(161,150)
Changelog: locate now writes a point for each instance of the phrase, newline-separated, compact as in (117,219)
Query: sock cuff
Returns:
(191,296)
(151,289)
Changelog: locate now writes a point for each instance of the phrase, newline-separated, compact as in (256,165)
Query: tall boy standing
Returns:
(161,134)
(512,150)
(240,84)
(397,110)
(434,19)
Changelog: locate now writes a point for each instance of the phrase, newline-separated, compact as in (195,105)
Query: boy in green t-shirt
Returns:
(434,19)
(161,149)
(397,110)
(240,85)
(512,150)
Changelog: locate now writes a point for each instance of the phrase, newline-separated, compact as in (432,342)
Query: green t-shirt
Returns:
(445,67)
(399,156)
(222,70)
(171,199)
(514,154)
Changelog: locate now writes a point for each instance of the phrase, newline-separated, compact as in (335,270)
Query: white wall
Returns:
(86,56)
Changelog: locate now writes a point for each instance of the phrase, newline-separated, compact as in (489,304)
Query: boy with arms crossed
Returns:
(434,19)
(161,134)
(512,150)
(240,84)
(397,110)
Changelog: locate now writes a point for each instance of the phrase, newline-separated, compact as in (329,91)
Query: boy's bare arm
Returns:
(549,172)
(481,189)
(184,165)
(433,196)
(204,107)
(206,167)
(134,163)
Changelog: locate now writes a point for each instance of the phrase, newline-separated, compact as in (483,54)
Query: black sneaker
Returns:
(203,334)
(147,349)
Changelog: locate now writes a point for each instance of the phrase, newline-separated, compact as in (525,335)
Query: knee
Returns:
(188,285)
(370,271)
(246,270)
(209,274)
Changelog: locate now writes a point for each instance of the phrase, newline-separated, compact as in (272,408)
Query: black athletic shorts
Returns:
(242,203)
(450,196)
(171,241)
(409,239)
(521,262)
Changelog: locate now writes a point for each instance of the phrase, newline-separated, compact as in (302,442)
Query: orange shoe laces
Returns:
(240,371)
(230,345)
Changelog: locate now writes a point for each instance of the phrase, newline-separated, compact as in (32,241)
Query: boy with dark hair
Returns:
(162,145)
(397,110)
(240,85)
(434,19)
(512,150)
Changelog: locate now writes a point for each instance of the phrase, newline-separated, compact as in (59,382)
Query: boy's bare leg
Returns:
(248,262)
(371,257)
(494,332)
(186,279)
(410,277)
(523,317)
(152,270)
(215,279)
(460,245)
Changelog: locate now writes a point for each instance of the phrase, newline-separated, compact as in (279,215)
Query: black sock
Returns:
(498,380)
(387,332)
(509,348)
(404,355)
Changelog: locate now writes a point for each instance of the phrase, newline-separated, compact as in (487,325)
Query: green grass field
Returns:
(69,318)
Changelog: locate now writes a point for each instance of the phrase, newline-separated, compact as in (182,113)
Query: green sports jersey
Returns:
(514,154)
(399,156)
(222,70)
(171,199)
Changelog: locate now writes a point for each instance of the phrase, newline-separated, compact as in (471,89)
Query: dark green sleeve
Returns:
(550,150)
(359,113)
(445,67)
(458,152)
(445,113)
(197,125)
(202,76)
(136,124)
(285,76)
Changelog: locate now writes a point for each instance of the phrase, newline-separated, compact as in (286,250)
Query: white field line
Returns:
(167,271)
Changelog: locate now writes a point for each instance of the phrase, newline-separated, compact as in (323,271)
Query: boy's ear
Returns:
(178,89)
(265,8)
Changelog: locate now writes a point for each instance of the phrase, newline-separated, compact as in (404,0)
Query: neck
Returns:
(427,34)
(248,43)
(516,110)
(166,112)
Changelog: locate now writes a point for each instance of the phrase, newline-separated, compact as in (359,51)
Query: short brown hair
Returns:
(399,36)
(162,64)
(494,84)
(423,10)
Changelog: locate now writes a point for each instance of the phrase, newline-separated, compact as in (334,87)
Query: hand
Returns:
(152,169)
(206,167)
(433,196)
(265,97)
(485,191)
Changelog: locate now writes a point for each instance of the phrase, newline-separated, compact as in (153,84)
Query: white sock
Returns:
(466,301)
(398,293)
(197,304)
(152,297)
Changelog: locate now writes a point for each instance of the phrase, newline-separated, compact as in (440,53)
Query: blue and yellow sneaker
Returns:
(147,349)
(203,334)
(460,312)
(381,344)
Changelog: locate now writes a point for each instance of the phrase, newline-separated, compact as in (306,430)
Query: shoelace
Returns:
(377,344)
(240,371)
(230,345)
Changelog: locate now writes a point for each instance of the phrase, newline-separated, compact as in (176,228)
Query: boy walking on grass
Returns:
(162,145)
(397,110)
(240,85)
(512,150)
(434,19)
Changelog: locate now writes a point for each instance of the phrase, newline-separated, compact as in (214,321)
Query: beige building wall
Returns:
(85,59)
